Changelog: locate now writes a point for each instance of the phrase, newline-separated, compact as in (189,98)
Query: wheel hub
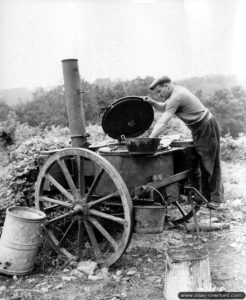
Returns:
(82,208)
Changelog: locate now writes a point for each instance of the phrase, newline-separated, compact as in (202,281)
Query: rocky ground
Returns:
(140,273)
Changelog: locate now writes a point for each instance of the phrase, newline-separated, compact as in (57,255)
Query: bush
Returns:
(7,130)
(97,135)
(18,186)
(22,171)
(231,149)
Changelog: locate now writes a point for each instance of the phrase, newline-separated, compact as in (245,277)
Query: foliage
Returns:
(96,134)
(4,110)
(47,107)
(228,147)
(18,186)
(219,93)
(7,130)
(231,149)
(229,108)
(226,101)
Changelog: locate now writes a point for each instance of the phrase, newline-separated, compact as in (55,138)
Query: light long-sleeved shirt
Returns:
(185,105)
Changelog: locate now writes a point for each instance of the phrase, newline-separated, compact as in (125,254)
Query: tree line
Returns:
(49,107)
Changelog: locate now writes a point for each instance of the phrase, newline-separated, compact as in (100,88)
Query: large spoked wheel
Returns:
(82,222)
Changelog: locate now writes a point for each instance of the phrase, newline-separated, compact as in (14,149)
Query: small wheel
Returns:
(81,222)
(180,211)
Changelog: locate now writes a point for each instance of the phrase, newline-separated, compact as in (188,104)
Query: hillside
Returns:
(15,96)
(209,83)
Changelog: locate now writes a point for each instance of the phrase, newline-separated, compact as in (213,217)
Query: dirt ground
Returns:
(140,273)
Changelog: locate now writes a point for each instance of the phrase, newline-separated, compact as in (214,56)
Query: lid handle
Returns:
(122,138)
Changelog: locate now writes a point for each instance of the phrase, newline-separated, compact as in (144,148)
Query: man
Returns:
(177,100)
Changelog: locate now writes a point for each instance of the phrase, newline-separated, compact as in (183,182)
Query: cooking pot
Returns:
(142,145)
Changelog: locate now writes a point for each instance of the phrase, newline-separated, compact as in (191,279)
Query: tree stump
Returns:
(187,270)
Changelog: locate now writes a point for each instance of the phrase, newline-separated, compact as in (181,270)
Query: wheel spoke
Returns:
(94,184)
(60,187)
(50,208)
(71,213)
(94,243)
(54,201)
(66,233)
(90,204)
(104,232)
(81,181)
(97,213)
(80,239)
(68,177)
(55,243)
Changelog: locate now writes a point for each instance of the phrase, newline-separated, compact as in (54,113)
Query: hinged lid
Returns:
(128,116)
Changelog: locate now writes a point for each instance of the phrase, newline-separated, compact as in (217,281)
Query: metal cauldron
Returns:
(142,145)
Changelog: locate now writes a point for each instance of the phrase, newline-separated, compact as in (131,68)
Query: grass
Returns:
(234,175)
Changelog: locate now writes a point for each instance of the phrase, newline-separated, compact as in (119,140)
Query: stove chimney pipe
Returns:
(74,101)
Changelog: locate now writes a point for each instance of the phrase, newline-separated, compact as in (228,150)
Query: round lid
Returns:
(128,116)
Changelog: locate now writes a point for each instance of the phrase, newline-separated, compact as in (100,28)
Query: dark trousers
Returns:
(206,139)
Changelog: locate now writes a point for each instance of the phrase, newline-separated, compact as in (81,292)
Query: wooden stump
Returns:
(187,270)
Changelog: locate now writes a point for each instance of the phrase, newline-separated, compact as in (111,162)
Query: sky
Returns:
(120,39)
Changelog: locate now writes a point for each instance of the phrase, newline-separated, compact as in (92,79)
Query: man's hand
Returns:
(149,100)
(157,105)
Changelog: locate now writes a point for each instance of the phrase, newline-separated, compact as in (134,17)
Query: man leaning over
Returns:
(178,101)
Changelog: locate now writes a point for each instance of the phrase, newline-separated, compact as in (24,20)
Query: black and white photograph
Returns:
(122,149)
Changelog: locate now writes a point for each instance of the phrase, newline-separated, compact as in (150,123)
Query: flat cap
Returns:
(159,81)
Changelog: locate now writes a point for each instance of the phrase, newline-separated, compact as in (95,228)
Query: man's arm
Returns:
(157,105)
(160,124)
